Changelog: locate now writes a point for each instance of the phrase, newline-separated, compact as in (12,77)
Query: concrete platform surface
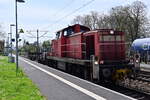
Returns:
(57,85)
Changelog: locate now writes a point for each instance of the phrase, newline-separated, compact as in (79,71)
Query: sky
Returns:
(44,14)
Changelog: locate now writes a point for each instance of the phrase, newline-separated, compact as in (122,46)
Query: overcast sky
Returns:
(43,14)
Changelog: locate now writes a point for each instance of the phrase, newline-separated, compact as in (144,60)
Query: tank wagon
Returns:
(142,47)
(92,54)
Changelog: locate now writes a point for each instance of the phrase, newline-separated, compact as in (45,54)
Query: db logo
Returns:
(146,46)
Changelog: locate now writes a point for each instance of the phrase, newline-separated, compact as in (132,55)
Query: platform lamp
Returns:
(17,35)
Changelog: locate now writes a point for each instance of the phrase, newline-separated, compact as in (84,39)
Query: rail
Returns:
(140,83)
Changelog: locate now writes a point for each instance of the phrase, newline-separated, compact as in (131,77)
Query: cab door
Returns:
(90,46)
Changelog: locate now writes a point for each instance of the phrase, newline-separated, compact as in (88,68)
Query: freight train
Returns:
(97,55)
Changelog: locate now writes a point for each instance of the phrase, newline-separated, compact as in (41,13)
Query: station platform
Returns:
(57,85)
(145,67)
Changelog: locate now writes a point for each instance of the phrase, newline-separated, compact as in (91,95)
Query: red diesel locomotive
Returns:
(92,54)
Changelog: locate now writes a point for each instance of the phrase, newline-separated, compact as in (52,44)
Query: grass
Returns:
(16,87)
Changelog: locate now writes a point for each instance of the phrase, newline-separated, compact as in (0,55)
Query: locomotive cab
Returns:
(67,40)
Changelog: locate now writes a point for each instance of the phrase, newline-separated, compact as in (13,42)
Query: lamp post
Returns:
(11,25)
(17,36)
(37,45)
(8,45)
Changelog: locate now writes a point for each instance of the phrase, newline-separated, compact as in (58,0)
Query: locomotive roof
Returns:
(105,30)
(72,27)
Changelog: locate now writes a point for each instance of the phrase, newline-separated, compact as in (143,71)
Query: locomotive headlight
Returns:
(101,62)
(96,62)
(131,61)
(137,61)
(111,32)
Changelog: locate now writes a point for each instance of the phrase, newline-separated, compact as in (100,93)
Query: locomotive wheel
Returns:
(106,73)
(101,77)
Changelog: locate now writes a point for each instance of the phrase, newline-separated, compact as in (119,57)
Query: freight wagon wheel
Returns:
(101,77)
(68,68)
(54,64)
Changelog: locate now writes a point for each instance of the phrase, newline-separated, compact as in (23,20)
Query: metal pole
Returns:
(8,45)
(8,40)
(11,39)
(147,57)
(16,38)
(37,44)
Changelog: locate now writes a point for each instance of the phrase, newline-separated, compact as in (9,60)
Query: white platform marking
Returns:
(91,94)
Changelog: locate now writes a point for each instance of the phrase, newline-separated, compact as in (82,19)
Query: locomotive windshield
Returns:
(58,35)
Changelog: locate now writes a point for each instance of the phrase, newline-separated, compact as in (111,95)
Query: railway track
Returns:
(144,76)
(126,91)
(145,73)
(138,88)
(137,85)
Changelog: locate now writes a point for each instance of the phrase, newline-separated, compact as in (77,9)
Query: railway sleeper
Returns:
(137,85)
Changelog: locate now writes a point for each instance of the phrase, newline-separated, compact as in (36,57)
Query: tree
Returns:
(103,21)
(131,19)
(2,33)
(46,45)
(118,18)
(77,20)
(89,20)
(138,19)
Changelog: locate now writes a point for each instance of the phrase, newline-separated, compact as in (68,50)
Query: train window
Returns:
(109,38)
(65,33)
(70,31)
(60,34)
(123,38)
(100,38)
(118,38)
(57,35)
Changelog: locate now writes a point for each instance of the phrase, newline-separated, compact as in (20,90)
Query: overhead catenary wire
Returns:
(33,31)
(46,37)
(29,32)
(40,37)
(69,14)
(64,7)
(30,37)
(62,18)
(44,34)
